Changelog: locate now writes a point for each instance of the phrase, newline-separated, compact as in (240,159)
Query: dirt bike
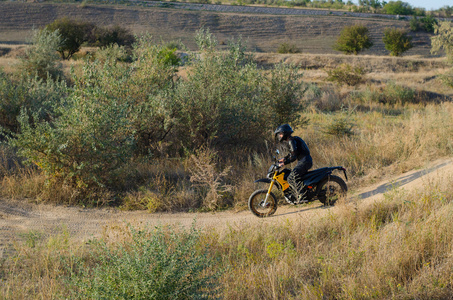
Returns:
(318,184)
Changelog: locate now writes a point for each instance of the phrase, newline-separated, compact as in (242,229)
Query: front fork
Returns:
(264,204)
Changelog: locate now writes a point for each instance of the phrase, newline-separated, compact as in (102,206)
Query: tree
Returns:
(107,36)
(447,10)
(371,3)
(353,39)
(443,39)
(74,34)
(396,41)
(398,8)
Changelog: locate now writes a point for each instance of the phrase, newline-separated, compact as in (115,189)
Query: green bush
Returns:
(112,52)
(30,93)
(41,58)
(284,93)
(89,136)
(346,74)
(74,34)
(353,39)
(397,94)
(415,24)
(398,8)
(447,11)
(443,39)
(339,127)
(107,36)
(150,87)
(156,264)
(396,41)
(428,23)
(287,48)
(221,102)
(228,103)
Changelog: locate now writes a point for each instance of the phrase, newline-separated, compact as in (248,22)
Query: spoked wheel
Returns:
(331,189)
(259,206)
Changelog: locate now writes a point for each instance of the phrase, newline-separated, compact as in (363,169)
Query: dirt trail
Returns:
(19,217)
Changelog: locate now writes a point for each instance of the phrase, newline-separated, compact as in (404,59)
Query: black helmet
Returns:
(285,129)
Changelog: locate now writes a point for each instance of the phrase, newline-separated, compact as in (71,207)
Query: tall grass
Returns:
(417,135)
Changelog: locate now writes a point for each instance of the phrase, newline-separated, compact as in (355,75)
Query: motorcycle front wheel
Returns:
(258,205)
(331,190)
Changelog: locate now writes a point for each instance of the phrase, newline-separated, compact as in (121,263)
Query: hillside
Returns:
(263,32)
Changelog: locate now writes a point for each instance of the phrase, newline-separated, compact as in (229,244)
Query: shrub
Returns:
(107,36)
(443,39)
(150,90)
(112,52)
(287,48)
(228,103)
(41,58)
(447,11)
(353,39)
(222,103)
(415,24)
(204,174)
(346,74)
(284,92)
(152,264)
(396,94)
(396,41)
(30,93)
(74,34)
(428,23)
(398,8)
(340,126)
(89,137)
(117,112)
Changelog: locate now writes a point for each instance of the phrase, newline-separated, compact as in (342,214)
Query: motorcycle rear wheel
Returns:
(256,204)
(331,190)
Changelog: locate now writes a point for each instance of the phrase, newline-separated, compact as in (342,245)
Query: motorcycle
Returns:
(318,184)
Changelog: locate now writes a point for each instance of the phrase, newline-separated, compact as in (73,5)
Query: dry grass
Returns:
(383,143)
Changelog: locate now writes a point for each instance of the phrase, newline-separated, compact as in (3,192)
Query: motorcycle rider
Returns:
(298,150)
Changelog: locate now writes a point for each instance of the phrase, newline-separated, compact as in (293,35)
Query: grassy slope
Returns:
(263,33)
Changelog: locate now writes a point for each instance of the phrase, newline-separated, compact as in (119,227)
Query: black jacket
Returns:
(297,149)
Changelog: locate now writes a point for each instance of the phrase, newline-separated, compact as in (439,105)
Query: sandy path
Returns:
(17,217)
